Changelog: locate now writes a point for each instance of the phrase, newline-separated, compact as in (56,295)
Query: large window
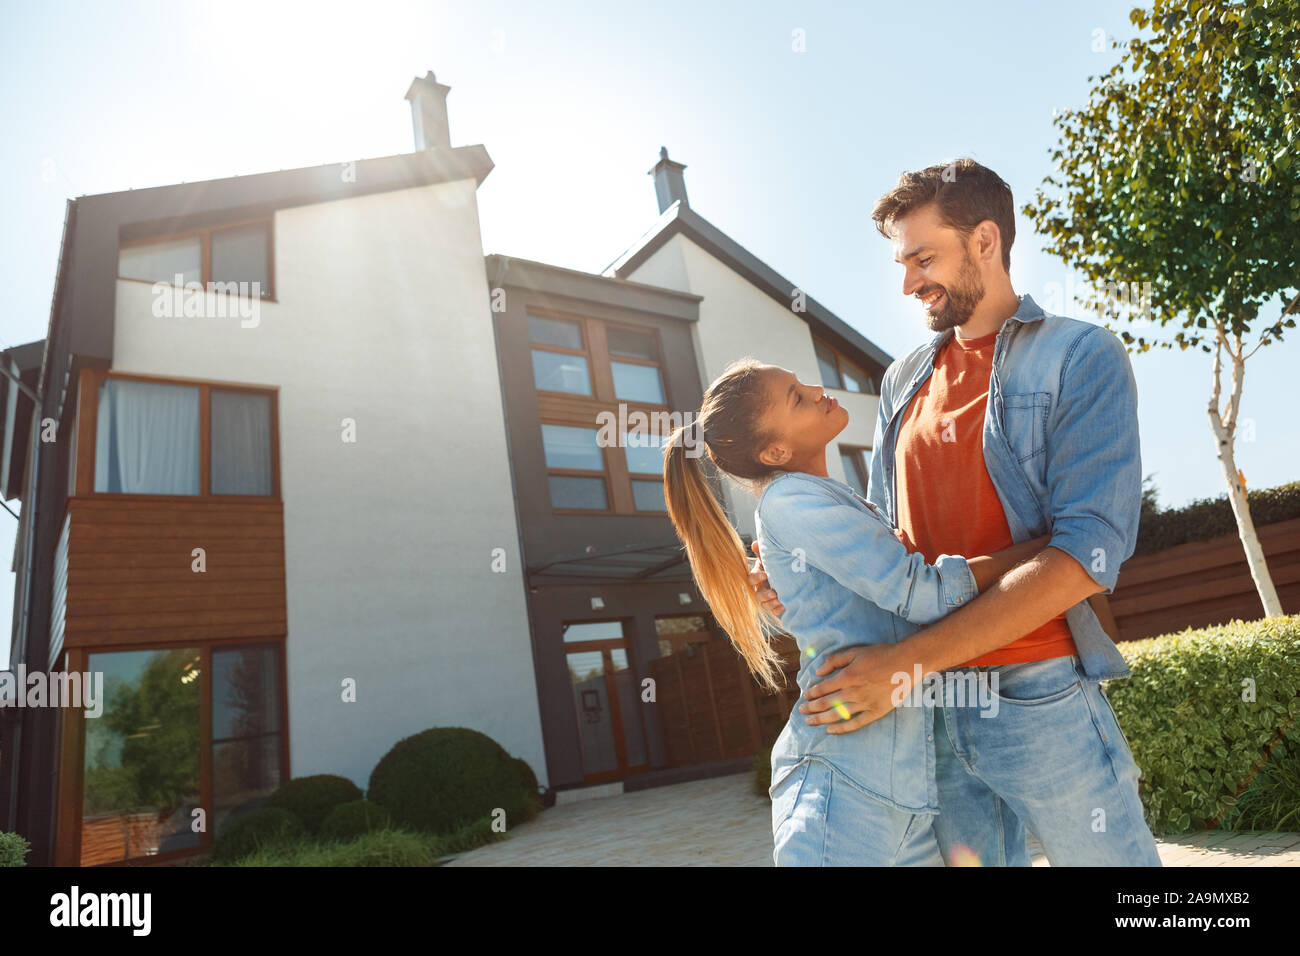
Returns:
(575,468)
(142,756)
(150,435)
(172,717)
(604,365)
(560,362)
(838,372)
(247,735)
(644,455)
(571,355)
(634,361)
(240,253)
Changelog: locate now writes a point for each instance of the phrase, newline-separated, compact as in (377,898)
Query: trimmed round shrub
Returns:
(529,779)
(249,832)
(446,777)
(311,799)
(349,820)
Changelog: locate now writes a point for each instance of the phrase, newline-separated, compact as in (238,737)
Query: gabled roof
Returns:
(679,218)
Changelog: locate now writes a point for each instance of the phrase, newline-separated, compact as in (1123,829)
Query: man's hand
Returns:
(863,690)
(758,581)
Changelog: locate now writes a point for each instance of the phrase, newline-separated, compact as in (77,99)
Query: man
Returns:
(1010,424)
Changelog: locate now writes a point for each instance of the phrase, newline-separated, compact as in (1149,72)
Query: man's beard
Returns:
(961,299)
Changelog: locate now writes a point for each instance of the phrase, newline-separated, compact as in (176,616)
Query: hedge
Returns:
(1201,742)
(1207,518)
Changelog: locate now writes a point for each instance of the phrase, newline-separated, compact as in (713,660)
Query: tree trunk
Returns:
(1225,428)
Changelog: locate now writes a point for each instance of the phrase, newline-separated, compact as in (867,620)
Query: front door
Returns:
(606,701)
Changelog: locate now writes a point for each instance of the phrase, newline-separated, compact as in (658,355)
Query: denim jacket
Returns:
(1061,446)
(845,578)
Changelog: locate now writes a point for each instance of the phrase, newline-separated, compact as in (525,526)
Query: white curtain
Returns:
(241,443)
(147,439)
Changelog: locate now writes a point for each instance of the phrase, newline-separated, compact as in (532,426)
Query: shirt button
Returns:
(930,737)
(959,600)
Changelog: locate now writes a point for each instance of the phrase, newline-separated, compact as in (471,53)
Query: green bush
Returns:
(254,830)
(1201,747)
(1208,518)
(446,777)
(391,847)
(529,778)
(349,820)
(311,799)
(13,850)
(1272,801)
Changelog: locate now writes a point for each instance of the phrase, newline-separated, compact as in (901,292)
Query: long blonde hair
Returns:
(729,428)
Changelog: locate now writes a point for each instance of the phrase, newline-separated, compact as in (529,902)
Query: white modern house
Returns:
(298,488)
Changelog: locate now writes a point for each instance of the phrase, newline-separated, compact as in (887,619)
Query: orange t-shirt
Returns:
(946,500)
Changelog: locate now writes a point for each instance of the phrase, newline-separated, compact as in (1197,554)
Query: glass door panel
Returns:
(595,720)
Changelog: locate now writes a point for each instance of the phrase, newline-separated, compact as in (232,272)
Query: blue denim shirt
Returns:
(845,578)
(1061,446)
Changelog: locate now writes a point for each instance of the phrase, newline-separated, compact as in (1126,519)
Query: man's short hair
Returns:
(964,193)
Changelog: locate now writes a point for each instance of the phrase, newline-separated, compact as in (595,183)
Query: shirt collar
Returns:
(1028,311)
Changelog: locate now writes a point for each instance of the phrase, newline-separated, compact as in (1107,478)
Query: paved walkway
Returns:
(721,822)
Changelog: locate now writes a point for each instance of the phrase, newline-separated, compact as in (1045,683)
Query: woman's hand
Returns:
(758,581)
(869,682)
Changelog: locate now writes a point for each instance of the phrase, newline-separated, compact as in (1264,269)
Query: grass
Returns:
(388,847)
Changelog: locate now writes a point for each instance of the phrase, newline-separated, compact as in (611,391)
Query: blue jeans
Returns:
(1052,759)
(820,818)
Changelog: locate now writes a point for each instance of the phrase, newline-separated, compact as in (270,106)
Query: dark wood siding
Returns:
(130,577)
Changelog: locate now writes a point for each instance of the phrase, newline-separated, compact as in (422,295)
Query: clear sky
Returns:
(785,151)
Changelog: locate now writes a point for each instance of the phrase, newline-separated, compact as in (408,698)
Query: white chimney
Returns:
(429,112)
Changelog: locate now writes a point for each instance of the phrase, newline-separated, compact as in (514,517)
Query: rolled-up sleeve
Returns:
(1094,462)
(858,548)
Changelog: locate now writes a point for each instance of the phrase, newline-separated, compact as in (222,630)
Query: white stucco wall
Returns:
(383,317)
(737,319)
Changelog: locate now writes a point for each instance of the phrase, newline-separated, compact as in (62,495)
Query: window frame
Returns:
(603,474)
(862,464)
(576,410)
(842,359)
(87,431)
(71,755)
(205,252)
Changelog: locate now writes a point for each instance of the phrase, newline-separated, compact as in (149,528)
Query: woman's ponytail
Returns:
(716,553)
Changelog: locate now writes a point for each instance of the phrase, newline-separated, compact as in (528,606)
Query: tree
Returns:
(1181,173)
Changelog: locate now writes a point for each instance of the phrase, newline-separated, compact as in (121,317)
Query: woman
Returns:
(866,798)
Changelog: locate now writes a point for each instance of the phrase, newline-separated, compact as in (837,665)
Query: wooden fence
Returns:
(710,707)
(1203,583)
